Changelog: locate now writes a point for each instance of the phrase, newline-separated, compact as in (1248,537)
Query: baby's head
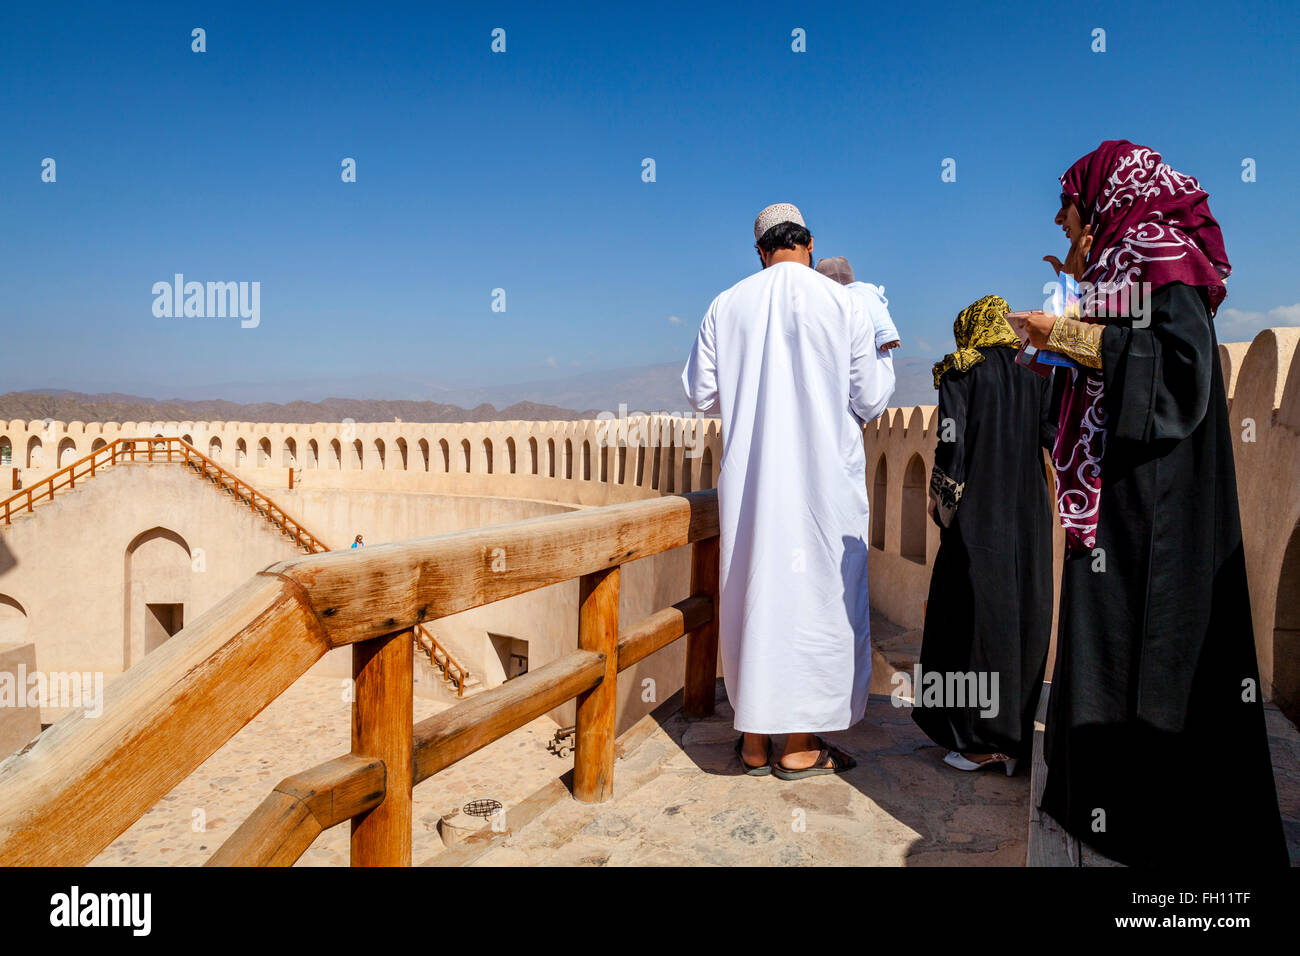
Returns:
(837,268)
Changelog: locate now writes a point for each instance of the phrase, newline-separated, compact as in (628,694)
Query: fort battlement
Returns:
(598,462)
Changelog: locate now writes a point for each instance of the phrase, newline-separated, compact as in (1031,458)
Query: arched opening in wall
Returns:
(214,449)
(654,471)
(550,456)
(879,496)
(313,454)
(424,452)
(913,516)
(6,450)
(35,452)
(706,470)
(356,455)
(670,471)
(289,454)
(510,455)
(640,466)
(604,462)
(13,621)
(467,455)
(381,454)
(241,452)
(512,653)
(446,454)
(532,454)
(402,454)
(487,456)
(586,461)
(622,464)
(188,439)
(686,472)
(97,444)
(336,456)
(264,453)
(568,458)
(1286,632)
(67,452)
(158,576)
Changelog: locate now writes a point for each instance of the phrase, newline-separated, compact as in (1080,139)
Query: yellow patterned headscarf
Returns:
(980,325)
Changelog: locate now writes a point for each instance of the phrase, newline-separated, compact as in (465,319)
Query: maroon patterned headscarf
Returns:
(1151,225)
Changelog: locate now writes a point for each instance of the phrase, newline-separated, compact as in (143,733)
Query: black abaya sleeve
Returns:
(948,477)
(1158,377)
(1050,408)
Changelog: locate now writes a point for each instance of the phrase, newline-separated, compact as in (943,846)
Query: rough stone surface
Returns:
(680,799)
(309,724)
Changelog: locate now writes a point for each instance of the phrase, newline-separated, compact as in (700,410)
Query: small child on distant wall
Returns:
(358,543)
(838,268)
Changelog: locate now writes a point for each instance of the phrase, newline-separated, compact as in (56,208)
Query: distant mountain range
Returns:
(115,407)
(650,388)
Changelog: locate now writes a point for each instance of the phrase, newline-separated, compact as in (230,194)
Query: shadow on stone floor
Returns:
(900,801)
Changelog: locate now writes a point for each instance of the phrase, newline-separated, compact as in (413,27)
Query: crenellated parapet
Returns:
(633,456)
(607,460)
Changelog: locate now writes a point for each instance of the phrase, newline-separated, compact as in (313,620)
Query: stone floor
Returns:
(309,724)
(680,799)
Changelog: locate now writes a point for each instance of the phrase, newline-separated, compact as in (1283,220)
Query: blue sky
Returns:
(522,171)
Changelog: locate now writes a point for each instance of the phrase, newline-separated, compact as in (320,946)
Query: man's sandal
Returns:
(839,760)
(762,770)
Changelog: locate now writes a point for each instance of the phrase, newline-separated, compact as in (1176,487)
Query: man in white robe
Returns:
(788,359)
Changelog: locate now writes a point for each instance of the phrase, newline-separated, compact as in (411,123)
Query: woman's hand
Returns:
(1077,258)
(1033,327)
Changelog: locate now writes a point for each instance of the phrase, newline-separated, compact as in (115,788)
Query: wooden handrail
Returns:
(284,825)
(85,780)
(391,587)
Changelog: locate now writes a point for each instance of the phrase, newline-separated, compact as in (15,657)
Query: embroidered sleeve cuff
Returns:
(947,493)
(1080,341)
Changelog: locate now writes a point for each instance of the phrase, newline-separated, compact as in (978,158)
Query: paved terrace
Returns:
(679,797)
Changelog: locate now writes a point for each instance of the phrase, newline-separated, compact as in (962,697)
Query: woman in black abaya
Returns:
(989,613)
(1156,747)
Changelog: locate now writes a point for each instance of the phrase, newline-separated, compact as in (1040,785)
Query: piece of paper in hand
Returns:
(1065,303)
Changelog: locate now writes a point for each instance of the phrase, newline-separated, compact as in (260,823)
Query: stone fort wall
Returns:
(601,462)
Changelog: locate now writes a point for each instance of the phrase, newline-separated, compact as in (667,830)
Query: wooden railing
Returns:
(452,670)
(87,779)
(177,450)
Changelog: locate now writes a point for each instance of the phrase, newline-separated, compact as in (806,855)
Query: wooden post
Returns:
(698,694)
(381,729)
(593,748)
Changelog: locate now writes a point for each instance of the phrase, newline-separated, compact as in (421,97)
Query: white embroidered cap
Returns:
(776,214)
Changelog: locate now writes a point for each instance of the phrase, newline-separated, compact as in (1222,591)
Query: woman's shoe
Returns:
(958,761)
